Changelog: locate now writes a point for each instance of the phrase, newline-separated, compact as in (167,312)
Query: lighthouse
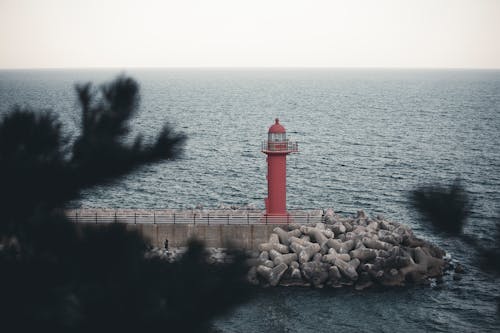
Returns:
(277,147)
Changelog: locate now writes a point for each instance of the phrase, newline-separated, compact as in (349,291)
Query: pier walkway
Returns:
(242,228)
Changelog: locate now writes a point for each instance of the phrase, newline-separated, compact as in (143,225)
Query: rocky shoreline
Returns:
(356,251)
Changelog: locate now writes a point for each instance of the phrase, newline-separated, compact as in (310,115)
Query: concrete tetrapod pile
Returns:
(357,251)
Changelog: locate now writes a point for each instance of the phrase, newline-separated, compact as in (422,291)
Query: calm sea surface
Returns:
(366,138)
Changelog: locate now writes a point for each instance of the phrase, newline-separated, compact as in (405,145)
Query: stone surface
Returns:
(350,251)
(340,251)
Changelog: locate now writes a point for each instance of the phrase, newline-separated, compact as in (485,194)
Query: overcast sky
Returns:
(253,33)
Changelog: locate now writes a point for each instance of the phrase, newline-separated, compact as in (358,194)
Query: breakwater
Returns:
(315,248)
(356,250)
(240,227)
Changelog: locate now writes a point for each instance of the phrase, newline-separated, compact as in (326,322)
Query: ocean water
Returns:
(366,138)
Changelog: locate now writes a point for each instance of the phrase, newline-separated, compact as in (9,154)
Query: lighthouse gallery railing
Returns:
(280,146)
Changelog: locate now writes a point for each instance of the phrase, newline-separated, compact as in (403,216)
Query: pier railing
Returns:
(189,217)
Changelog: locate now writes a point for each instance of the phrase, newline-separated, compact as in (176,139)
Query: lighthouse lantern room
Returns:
(276,148)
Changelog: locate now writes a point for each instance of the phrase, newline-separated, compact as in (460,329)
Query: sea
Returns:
(366,138)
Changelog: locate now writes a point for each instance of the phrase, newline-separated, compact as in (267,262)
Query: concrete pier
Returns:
(246,237)
(243,228)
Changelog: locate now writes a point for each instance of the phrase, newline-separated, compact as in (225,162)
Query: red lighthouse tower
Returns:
(277,147)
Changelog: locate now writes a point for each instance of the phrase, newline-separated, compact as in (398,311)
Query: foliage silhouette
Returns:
(59,276)
(447,208)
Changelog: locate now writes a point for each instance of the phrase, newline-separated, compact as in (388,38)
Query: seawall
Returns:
(246,237)
(242,228)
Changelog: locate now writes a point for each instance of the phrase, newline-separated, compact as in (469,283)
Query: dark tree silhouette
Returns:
(447,208)
(60,276)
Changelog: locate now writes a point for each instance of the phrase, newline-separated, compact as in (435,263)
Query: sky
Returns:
(253,33)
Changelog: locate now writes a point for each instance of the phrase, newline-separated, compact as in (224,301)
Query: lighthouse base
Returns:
(276,218)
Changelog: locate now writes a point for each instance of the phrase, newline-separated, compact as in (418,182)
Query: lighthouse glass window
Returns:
(277,137)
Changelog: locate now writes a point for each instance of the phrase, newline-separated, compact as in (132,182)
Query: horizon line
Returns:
(248,68)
